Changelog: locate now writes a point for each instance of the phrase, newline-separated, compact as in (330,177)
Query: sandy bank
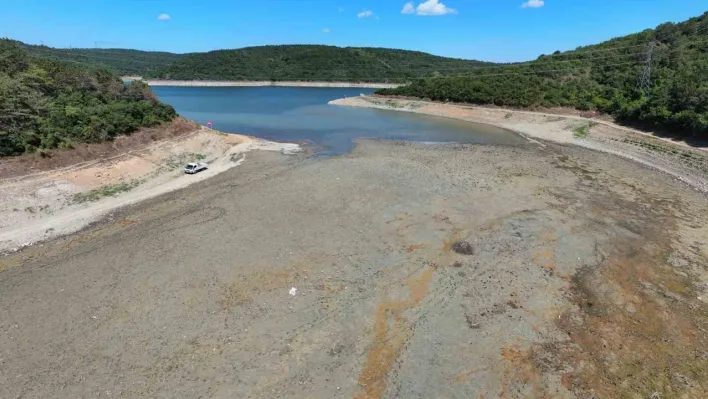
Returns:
(687,164)
(215,83)
(40,206)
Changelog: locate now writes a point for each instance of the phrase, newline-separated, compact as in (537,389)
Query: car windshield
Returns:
(190,166)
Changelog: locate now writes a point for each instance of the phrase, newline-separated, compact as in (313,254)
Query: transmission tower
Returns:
(644,82)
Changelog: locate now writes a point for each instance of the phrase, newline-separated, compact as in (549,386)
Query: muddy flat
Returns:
(395,271)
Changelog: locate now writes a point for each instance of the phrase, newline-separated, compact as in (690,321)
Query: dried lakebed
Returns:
(585,274)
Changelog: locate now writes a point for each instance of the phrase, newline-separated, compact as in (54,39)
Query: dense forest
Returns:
(45,103)
(286,62)
(601,77)
(122,62)
(313,62)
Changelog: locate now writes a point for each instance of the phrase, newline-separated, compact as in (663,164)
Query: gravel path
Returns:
(575,266)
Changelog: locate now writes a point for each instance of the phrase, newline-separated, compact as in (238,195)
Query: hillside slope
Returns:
(45,103)
(312,63)
(120,61)
(601,77)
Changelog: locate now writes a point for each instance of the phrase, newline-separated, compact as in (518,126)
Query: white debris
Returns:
(293,291)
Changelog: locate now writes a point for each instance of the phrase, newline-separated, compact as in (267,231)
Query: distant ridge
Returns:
(283,62)
(313,63)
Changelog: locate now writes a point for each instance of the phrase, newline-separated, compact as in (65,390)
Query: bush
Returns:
(678,100)
(48,104)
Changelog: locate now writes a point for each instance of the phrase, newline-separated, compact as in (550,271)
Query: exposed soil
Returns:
(585,275)
(689,164)
(86,154)
(37,206)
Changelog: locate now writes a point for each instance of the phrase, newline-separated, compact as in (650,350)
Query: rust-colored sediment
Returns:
(638,331)
(389,340)
(414,247)
(519,374)
(654,342)
(467,375)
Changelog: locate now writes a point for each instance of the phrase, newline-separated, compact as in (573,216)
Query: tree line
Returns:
(312,63)
(123,62)
(601,77)
(45,103)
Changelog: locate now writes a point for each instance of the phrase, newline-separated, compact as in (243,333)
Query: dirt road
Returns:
(583,274)
(60,201)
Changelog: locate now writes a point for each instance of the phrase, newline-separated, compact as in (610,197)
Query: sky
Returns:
(489,30)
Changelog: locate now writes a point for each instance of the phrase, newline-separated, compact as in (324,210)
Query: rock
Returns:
(463,247)
(472,323)
(336,349)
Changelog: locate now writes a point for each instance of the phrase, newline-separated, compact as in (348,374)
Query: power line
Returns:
(378,79)
(644,83)
(87,54)
(664,51)
(569,57)
(412,66)
(474,68)
(530,63)
(470,76)
(435,67)
(534,72)
(637,62)
(549,70)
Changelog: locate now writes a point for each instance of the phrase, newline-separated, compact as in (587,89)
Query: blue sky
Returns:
(491,30)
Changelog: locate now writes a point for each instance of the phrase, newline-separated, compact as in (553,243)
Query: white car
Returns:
(194,167)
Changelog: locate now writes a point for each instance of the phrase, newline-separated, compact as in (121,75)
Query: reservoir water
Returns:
(298,114)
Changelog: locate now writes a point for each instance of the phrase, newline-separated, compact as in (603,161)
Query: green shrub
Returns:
(581,132)
(110,190)
(677,101)
(48,104)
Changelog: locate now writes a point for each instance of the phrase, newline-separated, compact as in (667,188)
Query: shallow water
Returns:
(297,114)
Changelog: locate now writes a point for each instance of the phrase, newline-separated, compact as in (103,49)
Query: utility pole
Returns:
(644,82)
(100,43)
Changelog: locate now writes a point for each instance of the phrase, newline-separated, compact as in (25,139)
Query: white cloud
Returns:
(365,14)
(326,30)
(533,4)
(164,17)
(429,7)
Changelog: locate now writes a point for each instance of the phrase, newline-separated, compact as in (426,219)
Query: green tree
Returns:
(601,77)
(48,104)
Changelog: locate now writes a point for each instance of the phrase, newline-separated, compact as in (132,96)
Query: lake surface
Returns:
(297,114)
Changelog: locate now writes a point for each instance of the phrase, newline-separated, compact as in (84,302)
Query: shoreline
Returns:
(240,83)
(42,206)
(687,164)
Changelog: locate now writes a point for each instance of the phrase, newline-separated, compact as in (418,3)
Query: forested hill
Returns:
(602,77)
(285,62)
(313,63)
(45,103)
(120,61)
